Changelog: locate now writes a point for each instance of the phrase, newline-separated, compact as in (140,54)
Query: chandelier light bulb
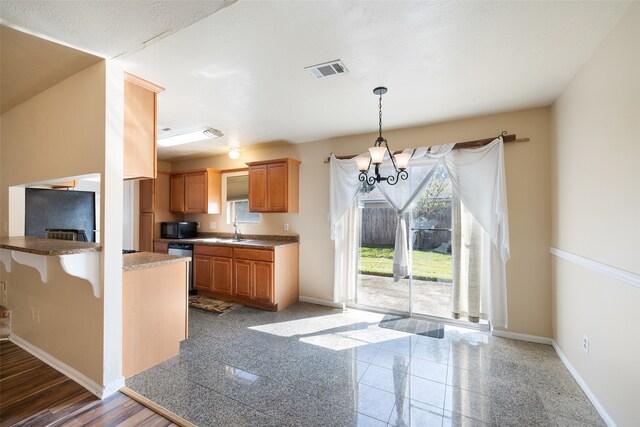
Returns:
(377,154)
(402,160)
(363,163)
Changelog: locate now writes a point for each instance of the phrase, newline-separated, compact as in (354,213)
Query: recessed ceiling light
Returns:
(188,137)
(234,153)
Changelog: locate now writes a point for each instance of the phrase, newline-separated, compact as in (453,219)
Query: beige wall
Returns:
(595,214)
(527,168)
(58,133)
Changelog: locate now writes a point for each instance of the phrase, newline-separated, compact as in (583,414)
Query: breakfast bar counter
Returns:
(47,247)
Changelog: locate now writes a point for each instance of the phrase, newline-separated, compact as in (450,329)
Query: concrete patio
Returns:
(430,298)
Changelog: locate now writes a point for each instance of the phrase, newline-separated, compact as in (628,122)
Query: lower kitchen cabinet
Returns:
(212,269)
(263,281)
(221,274)
(254,280)
(242,270)
(161,247)
(263,278)
(202,273)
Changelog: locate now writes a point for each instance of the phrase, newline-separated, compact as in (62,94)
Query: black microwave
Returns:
(178,230)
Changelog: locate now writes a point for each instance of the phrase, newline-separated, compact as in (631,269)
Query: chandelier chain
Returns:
(380,116)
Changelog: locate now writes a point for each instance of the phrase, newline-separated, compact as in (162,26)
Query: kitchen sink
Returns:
(222,240)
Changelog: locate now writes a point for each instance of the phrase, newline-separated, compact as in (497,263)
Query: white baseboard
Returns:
(80,378)
(320,302)
(592,397)
(522,337)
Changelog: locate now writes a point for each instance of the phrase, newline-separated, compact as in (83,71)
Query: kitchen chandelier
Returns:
(400,161)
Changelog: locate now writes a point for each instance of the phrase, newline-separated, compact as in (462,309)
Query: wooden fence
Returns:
(379,227)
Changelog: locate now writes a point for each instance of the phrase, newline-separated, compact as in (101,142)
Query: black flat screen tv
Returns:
(59,209)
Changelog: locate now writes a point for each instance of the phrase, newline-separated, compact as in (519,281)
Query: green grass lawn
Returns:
(426,265)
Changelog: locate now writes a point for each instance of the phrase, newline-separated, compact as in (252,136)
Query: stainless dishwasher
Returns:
(184,249)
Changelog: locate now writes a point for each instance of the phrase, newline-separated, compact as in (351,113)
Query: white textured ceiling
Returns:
(241,70)
(107,28)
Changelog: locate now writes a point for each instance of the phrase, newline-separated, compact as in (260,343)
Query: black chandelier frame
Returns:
(400,173)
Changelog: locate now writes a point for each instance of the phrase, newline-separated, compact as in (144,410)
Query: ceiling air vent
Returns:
(327,69)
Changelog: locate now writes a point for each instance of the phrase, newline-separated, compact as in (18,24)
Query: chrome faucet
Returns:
(236,234)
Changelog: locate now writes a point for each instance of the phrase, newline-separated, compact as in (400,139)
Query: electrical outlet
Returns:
(212,225)
(37,317)
(32,314)
(286,227)
(198,225)
(585,344)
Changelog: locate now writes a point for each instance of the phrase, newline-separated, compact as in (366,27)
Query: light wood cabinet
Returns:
(242,281)
(145,242)
(140,111)
(202,272)
(154,315)
(147,196)
(154,209)
(263,278)
(254,274)
(177,193)
(161,247)
(212,269)
(221,274)
(196,191)
(274,185)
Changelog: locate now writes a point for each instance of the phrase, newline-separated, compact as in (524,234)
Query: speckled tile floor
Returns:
(310,365)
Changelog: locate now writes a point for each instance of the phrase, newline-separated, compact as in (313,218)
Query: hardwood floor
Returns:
(34,394)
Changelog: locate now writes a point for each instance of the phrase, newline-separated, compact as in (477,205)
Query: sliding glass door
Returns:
(428,290)
(375,287)
(431,248)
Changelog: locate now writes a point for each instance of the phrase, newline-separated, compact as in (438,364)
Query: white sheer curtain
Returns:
(347,243)
(477,176)
(470,247)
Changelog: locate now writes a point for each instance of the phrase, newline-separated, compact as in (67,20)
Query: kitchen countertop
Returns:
(242,243)
(47,247)
(142,260)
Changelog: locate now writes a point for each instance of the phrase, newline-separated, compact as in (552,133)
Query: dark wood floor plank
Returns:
(19,367)
(55,403)
(34,394)
(32,382)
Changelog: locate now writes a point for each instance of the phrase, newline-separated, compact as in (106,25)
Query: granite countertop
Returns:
(40,246)
(142,260)
(246,241)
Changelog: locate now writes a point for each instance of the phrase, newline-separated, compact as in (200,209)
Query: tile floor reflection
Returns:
(310,365)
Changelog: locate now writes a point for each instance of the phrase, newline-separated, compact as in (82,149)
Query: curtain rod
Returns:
(458,145)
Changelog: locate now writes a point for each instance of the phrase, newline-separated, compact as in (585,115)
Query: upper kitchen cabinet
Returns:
(196,191)
(273,185)
(139,127)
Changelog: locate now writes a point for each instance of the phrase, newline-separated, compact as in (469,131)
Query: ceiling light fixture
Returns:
(400,161)
(234,153)
(188,137)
